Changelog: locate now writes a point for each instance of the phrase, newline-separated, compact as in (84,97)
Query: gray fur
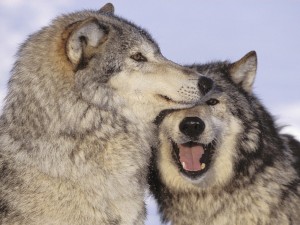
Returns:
(254,174)
(77,121)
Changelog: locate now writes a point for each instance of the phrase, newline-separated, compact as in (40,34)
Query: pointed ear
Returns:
(83,40)
(243,71)
(108,8)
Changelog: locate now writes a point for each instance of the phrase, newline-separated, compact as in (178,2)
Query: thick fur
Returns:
(254,175)
(77,121)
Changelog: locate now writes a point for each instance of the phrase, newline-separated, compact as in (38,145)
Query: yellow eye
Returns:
(212,101)
(139,57)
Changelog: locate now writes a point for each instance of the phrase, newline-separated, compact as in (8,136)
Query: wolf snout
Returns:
(192,127)
(205,84)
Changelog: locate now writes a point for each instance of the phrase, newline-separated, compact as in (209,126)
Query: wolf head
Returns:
(94,59)
(199,145)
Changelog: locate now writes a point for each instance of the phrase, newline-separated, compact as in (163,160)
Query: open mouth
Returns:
(193,159)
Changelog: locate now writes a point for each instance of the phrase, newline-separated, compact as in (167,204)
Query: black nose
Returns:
(192,126)
(205,84)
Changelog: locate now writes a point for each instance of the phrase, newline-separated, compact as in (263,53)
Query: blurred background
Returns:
(190,32)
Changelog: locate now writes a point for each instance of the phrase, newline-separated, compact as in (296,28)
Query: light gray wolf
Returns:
(225,161)
(78,119)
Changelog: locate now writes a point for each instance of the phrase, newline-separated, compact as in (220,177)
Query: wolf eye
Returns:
(212,101)
(139,57)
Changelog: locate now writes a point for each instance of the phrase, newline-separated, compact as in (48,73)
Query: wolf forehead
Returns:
(122,25)
(219,71)
(118,36)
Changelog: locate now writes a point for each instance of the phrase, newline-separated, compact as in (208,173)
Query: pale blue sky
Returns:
(188,32)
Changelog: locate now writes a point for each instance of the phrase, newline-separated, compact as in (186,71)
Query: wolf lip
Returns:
(192,158)
(177,102)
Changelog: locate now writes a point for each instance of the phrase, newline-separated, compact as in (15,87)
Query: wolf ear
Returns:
(108,8)
(83,39)
(243,71)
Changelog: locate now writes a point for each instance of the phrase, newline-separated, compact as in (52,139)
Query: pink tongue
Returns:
(190,157)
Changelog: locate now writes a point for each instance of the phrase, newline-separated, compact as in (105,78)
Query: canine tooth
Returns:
(202,166)
(183,165)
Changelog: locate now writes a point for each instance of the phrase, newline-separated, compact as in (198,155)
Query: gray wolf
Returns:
(78,120)
(224,161)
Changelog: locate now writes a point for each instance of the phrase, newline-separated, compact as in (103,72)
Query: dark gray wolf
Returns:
(224,161)
(77,121)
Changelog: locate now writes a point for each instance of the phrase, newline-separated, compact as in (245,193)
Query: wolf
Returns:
(78,119)
(225,161)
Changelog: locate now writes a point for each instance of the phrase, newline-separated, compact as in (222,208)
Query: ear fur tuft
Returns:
(108,8)
(243,71)
(84,38)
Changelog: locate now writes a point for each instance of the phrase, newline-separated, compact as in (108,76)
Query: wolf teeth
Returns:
(183,165)
(202,166)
